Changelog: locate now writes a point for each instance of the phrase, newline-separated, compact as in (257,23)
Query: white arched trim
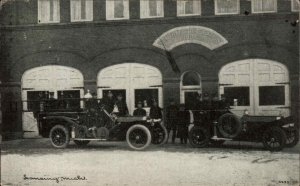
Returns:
(190,34)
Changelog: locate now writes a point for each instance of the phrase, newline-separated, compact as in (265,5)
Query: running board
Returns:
(216,138)
(87,139)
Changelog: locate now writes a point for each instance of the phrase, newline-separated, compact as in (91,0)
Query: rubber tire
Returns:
(206,136)
(282,139)
(295,141)
(145,129)
(81,143)
(237,121)
(166,136)
(67,133)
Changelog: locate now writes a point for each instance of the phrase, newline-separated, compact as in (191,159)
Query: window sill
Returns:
(188,15)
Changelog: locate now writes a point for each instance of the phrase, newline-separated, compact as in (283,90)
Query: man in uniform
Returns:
(122,106)
(171,117)
(139,111)
(155,111)
(183,118)
(51,103)
(108,102)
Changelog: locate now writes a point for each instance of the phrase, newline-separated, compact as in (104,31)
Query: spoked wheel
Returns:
(59,136)
(81,143)
(229,125)
(138,137)
(274,139)
(159,135)
(292,135)
(198,137)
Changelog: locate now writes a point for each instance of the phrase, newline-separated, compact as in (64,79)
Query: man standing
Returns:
(122,106)
(171,118)
(183,118)
(51,102)
(155,111)
(139,111)
(108,102)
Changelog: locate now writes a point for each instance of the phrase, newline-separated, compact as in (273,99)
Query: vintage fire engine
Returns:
(85,125)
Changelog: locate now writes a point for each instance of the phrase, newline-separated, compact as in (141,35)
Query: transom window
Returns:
(227,7)
(295,5)
(117,9)
(188,7)
(151,8)
(264,6)
(81,10)
(48,11)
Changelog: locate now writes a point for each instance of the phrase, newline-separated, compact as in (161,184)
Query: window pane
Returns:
(227,7)
(188,7)
(271,95)
(237,96)
(190,98)
(257,5)
(191,78)
(68,99)
(269,5)
(146,96)
(48,11)
(81,10)
(153,7)
(295,5)
(119,8)
(264,5)
(33,97)
(75,10)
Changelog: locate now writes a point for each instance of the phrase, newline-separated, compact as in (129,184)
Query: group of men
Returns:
(119,107)
(203,109)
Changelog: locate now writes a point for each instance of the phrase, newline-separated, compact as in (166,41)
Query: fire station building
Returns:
(245,50)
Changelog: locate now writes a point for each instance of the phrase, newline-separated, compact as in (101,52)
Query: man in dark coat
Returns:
(155,111)
(171,118)
(108,102)
(183,121)
(51,102)
(139,111)
(122,106)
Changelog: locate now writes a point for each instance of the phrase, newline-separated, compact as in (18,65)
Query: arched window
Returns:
(190,87)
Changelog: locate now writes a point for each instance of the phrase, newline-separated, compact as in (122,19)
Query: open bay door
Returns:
(258,85)
(136,82)
(37,83)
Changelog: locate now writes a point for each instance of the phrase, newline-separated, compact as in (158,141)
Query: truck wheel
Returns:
(81,143)
(159,135)
(199,137)
(229,125)
(274,139)
(59,136)
(292,135)
(138,137)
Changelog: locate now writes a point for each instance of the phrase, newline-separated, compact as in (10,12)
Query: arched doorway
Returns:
(40,82)
(136,82)
(190,87)
(258,85)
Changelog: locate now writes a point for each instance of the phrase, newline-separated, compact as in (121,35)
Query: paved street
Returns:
(26,162)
